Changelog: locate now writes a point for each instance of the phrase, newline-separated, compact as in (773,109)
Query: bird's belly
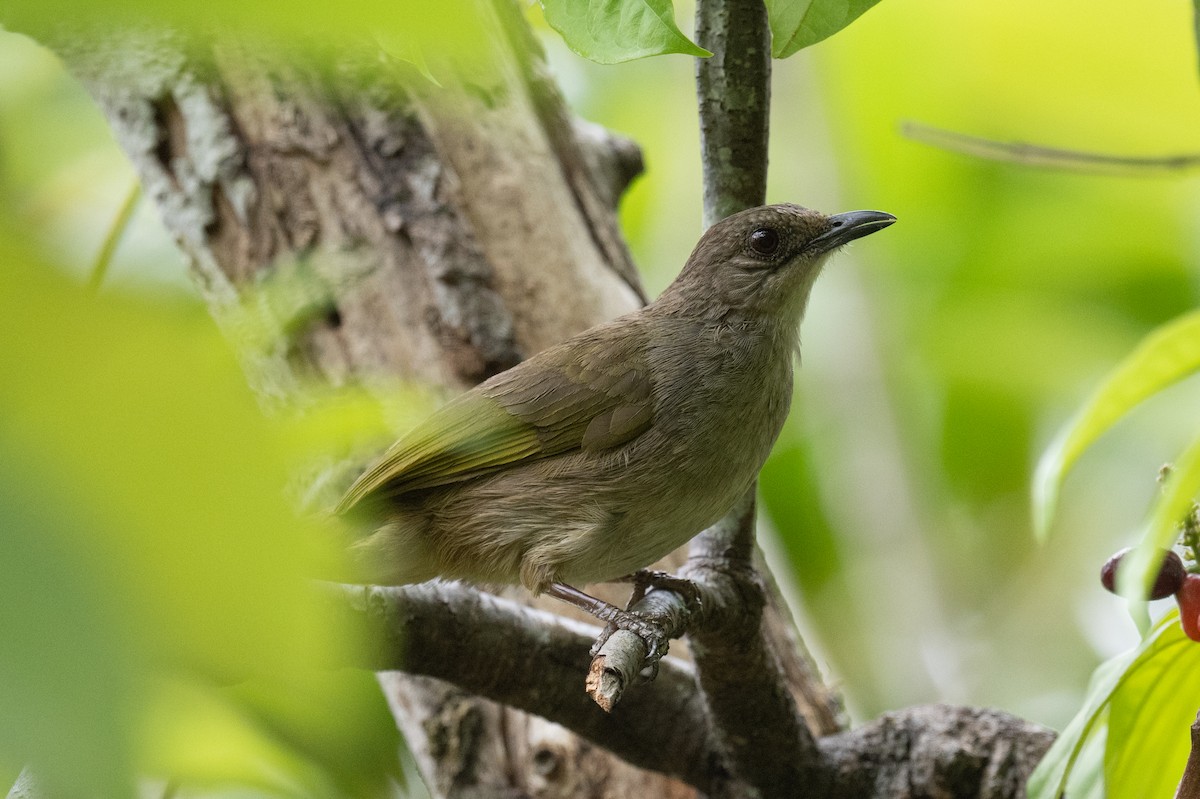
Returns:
(589,517)
(658,511)
(629,543)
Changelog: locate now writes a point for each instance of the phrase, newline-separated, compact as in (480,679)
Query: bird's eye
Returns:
(764,241)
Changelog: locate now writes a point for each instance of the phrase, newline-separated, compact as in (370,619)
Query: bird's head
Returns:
(761,263)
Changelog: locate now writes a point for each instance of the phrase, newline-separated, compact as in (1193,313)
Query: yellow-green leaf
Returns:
(1166,356)
(612,31)
(1149,717)
(1056,769)
(796,24)
(146,535)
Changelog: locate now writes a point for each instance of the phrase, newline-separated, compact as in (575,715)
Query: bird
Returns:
(597,456)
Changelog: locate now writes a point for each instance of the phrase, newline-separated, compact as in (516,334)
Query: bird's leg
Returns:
(647,630)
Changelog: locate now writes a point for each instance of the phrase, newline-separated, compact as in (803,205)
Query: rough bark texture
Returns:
(383,230)
(734,92)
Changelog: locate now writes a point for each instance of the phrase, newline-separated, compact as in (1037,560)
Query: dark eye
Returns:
(764,241)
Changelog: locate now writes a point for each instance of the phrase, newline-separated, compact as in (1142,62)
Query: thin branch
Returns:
(1035,155)
(116,232)
(754,714)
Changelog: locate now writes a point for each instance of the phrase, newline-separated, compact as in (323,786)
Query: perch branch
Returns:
(531,659)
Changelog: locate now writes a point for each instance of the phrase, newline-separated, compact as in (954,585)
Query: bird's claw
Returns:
(645,579)
(651,632)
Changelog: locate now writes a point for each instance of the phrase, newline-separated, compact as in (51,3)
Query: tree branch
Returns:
(935,750)
(734,91)
(754,715)
(532,660)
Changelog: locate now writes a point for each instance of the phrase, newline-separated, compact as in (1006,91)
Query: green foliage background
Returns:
(939,358)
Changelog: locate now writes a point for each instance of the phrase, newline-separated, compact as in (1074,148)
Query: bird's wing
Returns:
(591,393)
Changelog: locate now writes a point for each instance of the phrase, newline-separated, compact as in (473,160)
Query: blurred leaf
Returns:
(68,660)
(148,535)
(1196,23)
(1149,718)
(1166,356)
(341,725)
(337,741)
(1115,684)
(612,31)
(1087,776)
(450,28)
(200,738)
(796,24)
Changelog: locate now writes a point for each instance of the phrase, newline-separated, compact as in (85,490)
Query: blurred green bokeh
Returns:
(158,607)
(939,358)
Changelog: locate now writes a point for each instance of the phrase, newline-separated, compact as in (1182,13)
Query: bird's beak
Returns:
(850,226)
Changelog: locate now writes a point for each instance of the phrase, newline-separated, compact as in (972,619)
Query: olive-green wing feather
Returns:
(592,393)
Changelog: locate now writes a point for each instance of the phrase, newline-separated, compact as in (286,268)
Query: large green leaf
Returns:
(1167,355)
(146,538)
(796,24)
(1143,702)
(1149,716)
(612,31)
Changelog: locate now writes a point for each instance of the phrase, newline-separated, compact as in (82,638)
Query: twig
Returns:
(1047,157)
(116,232)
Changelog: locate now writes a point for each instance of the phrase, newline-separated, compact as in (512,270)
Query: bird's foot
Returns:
(645,579)
(650,631)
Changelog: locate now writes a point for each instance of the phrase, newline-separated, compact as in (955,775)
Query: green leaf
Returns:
(1167,355)
(147,538)
(71,668)
(1149,716)
(612,31)
(796,24)
(1052,774)
(452,29)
